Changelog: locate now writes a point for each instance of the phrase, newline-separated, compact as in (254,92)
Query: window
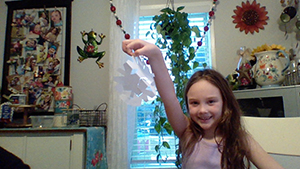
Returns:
(143,154)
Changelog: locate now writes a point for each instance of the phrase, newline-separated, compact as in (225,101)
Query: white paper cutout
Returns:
(137,82)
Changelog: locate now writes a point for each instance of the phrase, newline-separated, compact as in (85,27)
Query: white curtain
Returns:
(120,120)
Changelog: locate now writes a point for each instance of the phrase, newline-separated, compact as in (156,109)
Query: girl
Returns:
(52,34)
(35,29)
(212,136)
(56,18)
(43,19)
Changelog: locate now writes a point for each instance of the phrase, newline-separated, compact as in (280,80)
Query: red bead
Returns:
(199,43)
(206,28)
(113,8)
(211,13)
(127,36)
(147,61)
(119,22)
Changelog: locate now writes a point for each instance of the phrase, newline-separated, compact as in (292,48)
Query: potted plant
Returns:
(172,32)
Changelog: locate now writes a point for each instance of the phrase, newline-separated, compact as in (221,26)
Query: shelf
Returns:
(266,89)
(26,109)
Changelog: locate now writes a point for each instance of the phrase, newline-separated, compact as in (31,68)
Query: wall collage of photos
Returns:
(36,54)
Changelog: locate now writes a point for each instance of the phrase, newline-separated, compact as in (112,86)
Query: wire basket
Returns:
(97,117)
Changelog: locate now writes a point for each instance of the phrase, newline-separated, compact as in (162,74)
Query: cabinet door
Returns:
(13,144)
(48,152)
(297,110)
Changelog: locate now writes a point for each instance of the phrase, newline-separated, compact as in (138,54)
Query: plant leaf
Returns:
(162,120)
(195,65)
(157,157)
(148,33)
(157,128)
(168,128)
(158,28)
(180,8)
(157,148)
(166,10)
(196,30)
(152,36)
(166,145)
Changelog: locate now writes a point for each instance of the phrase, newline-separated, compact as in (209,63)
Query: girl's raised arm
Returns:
(162,79)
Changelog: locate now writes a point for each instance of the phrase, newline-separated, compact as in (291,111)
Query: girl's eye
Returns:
(194,103)
(211,101)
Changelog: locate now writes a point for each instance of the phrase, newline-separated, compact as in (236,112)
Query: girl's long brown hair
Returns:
(233,145)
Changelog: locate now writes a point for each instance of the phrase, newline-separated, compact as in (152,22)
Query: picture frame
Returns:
(37,51)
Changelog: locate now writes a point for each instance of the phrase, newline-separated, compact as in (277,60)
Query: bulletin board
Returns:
(37,50)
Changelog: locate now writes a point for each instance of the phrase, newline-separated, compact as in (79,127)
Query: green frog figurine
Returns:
(91,47)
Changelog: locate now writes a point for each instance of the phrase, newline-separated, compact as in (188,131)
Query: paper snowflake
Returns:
(137,82)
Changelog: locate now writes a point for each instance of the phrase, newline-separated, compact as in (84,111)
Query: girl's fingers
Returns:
(131,47)
(126,47)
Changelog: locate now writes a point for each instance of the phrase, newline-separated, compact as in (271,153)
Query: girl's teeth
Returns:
(205,117)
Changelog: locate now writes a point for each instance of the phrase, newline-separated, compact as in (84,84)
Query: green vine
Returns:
(172,32)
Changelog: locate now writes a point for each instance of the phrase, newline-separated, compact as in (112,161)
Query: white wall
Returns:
(90,84)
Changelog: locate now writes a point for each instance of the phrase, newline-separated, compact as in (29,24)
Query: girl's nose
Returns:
(202,109)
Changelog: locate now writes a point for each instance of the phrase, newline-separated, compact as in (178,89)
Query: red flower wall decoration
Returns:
(250,17)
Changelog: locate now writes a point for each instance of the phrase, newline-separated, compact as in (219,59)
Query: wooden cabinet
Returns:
(14,144)
(55,148)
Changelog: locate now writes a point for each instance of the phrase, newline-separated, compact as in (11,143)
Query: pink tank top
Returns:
(205,156)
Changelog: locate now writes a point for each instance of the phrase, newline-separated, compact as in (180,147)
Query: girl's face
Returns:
(30,43)
(33,63)
(51,50)
(55,17)
(43,15)
(205,105)
(37,28)
(53,31)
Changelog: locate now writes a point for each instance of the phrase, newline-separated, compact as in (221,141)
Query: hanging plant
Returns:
(250,17)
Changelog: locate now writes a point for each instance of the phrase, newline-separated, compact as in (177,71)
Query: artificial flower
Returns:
(250,17)
(266,47)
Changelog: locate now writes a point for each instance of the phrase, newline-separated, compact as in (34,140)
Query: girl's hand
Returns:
(137,47)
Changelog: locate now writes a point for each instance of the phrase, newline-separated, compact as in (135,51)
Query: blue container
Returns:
(61,106)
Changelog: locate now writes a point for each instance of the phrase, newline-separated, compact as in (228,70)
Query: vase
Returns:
(269,70)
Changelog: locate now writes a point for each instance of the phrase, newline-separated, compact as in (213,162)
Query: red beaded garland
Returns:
(118,21)
(113,8)
(199,43)
(127,36)
(206,28)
